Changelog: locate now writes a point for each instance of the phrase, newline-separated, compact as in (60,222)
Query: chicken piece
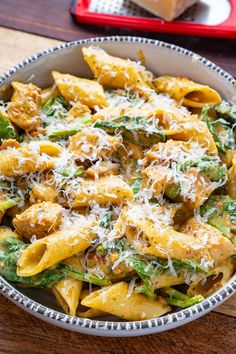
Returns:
(40,220)
(23,110)
(92,143)
(9,143)
(189,178)
(43,193)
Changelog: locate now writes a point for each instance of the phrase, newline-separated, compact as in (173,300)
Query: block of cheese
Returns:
(166,9)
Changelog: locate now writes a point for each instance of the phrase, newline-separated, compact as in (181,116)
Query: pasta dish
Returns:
(118,192)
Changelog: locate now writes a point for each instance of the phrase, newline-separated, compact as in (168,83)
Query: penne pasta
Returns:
(187,92)
(208,285)
(115,72)
(67,292)
(52,249)
(73,88)
(108,189)
(157,239)
(117,301)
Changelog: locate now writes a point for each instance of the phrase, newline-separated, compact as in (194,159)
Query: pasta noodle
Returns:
(117,301)
(184,90)
(51,249)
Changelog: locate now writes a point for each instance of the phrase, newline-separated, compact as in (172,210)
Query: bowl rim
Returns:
(124,328)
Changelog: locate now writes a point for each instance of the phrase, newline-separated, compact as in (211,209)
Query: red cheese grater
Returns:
(215,18)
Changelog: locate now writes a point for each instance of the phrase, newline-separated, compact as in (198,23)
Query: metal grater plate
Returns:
(207,12)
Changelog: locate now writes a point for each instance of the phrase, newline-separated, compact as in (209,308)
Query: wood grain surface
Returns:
(21,333)
(52,19)
(214,333)
(16,46)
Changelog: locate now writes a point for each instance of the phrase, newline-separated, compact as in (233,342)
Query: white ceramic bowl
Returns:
(161,58)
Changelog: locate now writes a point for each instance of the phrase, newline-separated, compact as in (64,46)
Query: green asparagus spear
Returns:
(142,289)
(63,133)
(138,130)
(174,293)
(9,203)
(56,107)
(185,303)
(72,171)
(176,298)
(79,275)
(136,185)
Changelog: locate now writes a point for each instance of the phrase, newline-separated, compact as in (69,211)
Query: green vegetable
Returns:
(143,269)
(227,111)
(79,275)
(6,129)
(174,293)
(138,130)
(173,191)
(221,131)
(101,249)
(72,171)
(142,289)
(185,303)
(160,266)
(9,203)
(136,185)
(11,253)
(5,185)
(63,133)
(56,107)
(69,130)
(210,166)
(147,270)
(106,219)
(176,298)
(220,212)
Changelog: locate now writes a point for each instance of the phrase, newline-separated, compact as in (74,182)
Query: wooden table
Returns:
(20,332)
